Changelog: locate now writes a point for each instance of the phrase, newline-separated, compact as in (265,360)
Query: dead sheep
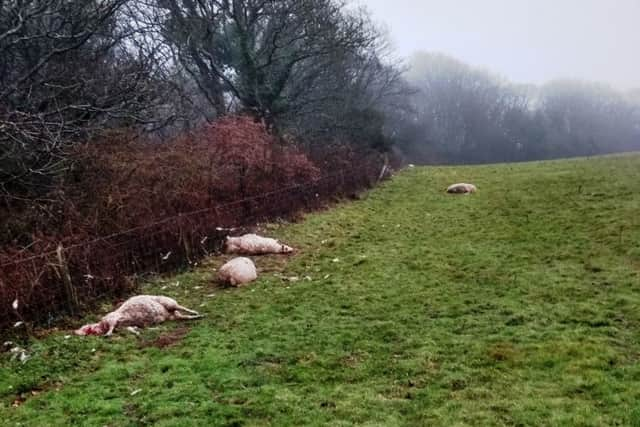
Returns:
(237,272)
(252,244)
(139,311)
(461,188)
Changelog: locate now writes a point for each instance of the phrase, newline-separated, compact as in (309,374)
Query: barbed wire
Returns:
(217,208)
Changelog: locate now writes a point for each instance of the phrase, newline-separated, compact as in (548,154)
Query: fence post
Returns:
(384,168)
(69,290)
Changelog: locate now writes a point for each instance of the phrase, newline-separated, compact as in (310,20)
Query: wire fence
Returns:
(63,280)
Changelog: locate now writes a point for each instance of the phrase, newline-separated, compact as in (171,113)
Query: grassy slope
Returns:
(518,305)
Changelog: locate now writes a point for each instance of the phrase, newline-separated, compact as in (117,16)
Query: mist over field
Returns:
(527,42)
(515,80)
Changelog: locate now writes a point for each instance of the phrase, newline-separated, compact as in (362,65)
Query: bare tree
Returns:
(352,99)
(67,71)
(265,54)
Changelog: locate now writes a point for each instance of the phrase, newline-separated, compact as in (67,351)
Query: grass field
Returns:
(519,305)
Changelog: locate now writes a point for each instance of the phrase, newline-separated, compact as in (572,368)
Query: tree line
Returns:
(459,114)
(73,70)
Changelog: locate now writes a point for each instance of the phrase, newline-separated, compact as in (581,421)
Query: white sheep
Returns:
(238,272)
(461,188)
(252,244)
(139,311)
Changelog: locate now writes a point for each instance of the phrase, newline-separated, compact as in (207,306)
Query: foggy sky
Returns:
(527,41)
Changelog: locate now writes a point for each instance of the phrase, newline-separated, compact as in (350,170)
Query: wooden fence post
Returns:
(383,172)
(69,291)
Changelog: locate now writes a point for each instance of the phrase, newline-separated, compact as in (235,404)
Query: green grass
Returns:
(519,305)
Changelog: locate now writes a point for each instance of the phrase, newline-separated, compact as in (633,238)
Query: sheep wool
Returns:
(252,244)
(461,188)
(237,272)
(141,310)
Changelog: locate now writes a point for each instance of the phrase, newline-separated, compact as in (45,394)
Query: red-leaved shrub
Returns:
(129,184)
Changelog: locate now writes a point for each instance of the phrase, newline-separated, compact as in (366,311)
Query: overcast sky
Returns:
(528,41)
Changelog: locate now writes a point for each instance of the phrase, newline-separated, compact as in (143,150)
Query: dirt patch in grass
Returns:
(167,339)
(22,396)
